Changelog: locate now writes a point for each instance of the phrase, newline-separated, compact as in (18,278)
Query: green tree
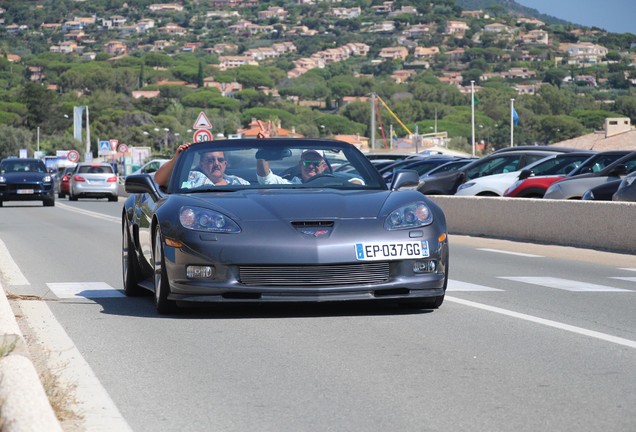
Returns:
(13,139)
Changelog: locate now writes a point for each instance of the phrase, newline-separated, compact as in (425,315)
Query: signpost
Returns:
(202,122)
(202,135)
(201,129)
(73,156)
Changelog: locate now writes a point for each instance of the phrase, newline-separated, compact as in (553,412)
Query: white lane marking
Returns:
(565,284)
(555,324)
(628,279)
(9,269)
(628,269)
(510,253)
(89,213)
(454,285)
(98,410)
(89,290)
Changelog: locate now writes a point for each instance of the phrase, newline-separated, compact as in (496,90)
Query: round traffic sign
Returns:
(73,156)
(202,135)
(122,148)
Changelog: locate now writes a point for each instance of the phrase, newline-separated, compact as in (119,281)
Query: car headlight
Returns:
(465,185)
(47,179)
(2,179)
(201,219)
(553,188)
(589,195)
(627,180)
(410,216)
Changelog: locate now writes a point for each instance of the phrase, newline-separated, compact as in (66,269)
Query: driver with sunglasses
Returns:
(210,171)
(311,164)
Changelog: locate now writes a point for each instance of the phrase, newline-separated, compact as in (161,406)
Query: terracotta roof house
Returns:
(617,134)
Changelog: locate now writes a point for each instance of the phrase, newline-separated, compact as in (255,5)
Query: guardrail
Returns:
(600,225)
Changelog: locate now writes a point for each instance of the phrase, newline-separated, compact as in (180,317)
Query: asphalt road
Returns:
(530,338)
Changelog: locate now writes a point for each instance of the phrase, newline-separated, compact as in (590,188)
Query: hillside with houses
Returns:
(146,69)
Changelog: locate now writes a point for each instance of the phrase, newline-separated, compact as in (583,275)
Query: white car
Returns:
(151,166)
(496,185)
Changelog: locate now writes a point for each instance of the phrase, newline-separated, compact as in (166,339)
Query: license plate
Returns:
(392,250)
(25,191)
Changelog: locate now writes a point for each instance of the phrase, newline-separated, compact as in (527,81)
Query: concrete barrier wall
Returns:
(601,225)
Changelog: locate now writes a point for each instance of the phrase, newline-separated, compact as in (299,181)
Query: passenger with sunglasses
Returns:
(311,164)
(210,171)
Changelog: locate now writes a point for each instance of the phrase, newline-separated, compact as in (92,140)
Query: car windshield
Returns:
(562,164)
(17,165)
(273,163)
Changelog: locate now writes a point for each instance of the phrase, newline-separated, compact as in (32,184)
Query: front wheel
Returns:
(162,286)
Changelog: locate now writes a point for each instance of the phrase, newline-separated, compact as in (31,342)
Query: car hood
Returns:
(255,205)
(19,177)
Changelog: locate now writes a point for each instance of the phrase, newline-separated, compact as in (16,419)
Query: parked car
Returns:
(575,187)
(93,180)
(324,238)
(150,167)
(449,166)
(627,189)
(63,182)
(497,184)
(421,165)
(26,180)
(501,161)
(533,186)
(602,192)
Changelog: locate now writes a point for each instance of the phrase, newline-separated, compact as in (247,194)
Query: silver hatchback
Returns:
(93,180)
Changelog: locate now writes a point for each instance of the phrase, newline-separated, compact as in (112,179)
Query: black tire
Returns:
(71,197)
(61,195)
(112,198)
(130,265)
(162,286)
(48,203)
(1,203)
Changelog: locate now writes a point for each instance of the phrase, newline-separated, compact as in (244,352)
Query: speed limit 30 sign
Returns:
(202,135)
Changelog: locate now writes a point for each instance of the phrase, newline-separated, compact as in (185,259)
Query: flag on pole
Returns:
(77,122)
(515,116)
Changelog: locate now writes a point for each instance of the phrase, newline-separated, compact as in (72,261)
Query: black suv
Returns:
(498,162)
(26,180)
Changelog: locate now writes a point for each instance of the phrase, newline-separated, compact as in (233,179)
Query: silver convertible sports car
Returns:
(271,220)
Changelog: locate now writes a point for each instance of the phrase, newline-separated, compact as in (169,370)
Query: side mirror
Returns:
(619,170)
(142,183)
(405,178)
(524,174)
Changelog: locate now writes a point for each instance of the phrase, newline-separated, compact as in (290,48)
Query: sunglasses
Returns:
(314,163)
(213,159)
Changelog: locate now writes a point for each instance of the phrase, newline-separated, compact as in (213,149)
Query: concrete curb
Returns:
(24,406)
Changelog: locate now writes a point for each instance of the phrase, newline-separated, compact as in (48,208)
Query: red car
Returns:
(64,181)
(529,186)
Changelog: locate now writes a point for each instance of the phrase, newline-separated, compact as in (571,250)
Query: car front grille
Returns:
(324,275)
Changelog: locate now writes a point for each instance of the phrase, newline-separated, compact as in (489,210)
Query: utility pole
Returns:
(372,121)
(472,112)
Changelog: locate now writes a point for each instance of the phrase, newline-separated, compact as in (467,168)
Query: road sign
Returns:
(104,148)
(202,122)
(123,148)
(202,135)
(114,144)
(73,156)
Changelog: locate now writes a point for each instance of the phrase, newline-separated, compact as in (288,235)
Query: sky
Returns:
(617,16)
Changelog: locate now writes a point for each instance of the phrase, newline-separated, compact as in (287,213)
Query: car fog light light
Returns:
(424,266)
(199,272)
